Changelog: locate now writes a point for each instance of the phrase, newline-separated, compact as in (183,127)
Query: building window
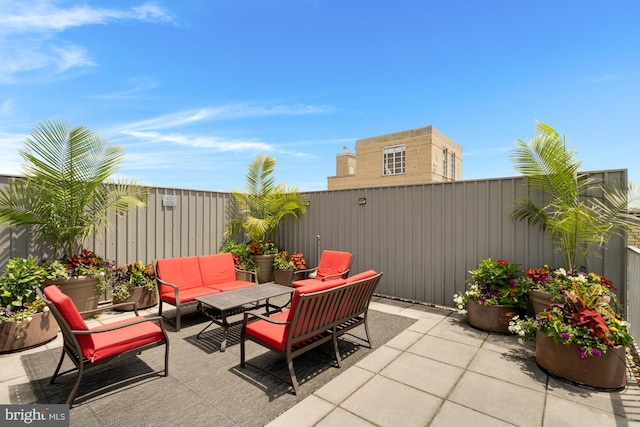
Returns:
(452,168)
(444,161)
(393,160)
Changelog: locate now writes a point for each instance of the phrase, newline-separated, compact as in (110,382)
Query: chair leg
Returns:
(178,317)
(292,373)
(74,390)
(366,330)
(166,359)
(55,374)
(242,350)
(336,349)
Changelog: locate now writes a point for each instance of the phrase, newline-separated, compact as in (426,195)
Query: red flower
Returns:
(502,262)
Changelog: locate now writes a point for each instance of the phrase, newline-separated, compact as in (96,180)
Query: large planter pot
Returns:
(82,290)
(607,372)
(539,301)
(492,318)
(142,296)
(40,330)
(284,277)
(265,264)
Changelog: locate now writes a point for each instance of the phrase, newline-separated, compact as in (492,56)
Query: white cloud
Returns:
(28,30)
(200,141)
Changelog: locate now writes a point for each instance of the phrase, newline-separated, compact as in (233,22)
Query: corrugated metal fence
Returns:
(425,238)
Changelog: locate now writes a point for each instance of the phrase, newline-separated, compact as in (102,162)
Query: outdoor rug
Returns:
(204,386)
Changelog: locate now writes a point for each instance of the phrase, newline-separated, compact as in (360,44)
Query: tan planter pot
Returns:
(607,372)
(539,301)
(283,277)
(42,329)
(82,290)
(265,264)
(142,296)
(491,318)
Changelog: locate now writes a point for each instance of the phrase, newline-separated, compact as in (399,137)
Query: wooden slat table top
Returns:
(238,297)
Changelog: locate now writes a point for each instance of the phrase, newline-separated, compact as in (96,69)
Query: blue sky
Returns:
(195,89)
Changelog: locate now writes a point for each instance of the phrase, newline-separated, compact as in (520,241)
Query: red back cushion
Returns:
(361,276)
(311,288)
(333,262)
(183,272)
(70,314)
(216,269)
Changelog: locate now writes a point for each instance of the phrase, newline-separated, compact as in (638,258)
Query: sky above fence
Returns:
(195,89)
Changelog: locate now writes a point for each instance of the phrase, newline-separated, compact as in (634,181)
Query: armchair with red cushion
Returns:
(332,265)
(88,347)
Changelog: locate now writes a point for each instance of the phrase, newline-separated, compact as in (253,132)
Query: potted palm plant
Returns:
(65,194)
(259,210)
(579,212)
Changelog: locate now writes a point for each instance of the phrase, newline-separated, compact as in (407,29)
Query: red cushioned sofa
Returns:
(319,312)
(183,279)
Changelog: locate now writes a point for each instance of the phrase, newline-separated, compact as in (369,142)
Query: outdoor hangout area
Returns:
(462,302)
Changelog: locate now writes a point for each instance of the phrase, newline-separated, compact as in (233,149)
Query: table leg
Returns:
(225,327)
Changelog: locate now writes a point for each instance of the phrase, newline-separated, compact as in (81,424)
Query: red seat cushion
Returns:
(216,269)
(108,344)
(229,286)
(361,276)
(187,295)
(183,272)
(276,335)
(271,334)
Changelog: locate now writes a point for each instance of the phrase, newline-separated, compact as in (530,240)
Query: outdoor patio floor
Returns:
(437,372)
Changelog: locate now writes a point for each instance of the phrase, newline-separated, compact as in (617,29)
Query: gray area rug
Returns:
(204,386)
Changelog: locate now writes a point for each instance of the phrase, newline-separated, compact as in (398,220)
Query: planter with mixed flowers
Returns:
(134,282)
(494,296)
(83,277)
(581,337)
(25,321)
(285,265)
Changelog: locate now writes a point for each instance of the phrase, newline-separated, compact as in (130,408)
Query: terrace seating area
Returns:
(435,371)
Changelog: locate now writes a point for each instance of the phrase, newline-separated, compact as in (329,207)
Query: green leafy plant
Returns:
(66,193)
(241,256)
(124,279)
(263,204)
(587,314)
(287,261)
(579,212)
(494,283)
(18,284)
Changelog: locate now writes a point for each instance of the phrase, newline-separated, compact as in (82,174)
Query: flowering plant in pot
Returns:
(582,337)
(20,305)
(125,279)
(495,294)
(586,314)
(286,264)
(134,282)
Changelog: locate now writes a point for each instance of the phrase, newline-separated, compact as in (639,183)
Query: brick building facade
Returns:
(414,156)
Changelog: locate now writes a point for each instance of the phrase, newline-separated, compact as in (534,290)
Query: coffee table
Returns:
(218,307)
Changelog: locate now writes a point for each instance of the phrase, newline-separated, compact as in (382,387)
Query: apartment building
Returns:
(414,156)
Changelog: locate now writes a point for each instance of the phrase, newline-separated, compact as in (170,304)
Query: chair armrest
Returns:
(252,273)
(263,317)
(112,306)
(174,286)
(331,276)
(108,328)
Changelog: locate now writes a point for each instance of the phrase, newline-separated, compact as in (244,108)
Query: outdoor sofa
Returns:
(319,313)
(182,279)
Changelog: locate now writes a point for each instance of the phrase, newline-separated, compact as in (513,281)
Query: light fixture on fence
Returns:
(362,201)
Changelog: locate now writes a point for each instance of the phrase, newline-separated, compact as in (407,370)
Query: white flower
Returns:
(46,308)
